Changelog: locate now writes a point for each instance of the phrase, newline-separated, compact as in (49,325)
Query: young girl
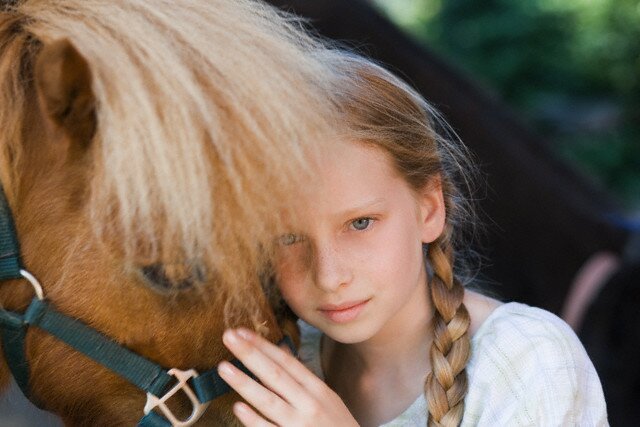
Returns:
(390,337)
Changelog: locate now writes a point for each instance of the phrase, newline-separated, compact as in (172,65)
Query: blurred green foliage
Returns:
(571,67)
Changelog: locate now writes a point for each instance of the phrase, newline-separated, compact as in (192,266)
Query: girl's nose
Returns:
(331,268)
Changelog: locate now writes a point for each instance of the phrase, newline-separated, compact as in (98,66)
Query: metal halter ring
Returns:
(34,282)
(198,408)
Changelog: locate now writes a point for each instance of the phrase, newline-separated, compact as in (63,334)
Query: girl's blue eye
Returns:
(289,239)
(361,224)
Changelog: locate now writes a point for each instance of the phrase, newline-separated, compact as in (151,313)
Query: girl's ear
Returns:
(63,79)
(431,210)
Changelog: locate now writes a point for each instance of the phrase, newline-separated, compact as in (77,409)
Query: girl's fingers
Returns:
(264,400)
(257,358)
(284,359)
(282,400)
(248,417)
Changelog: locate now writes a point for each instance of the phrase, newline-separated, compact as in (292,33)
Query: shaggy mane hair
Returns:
(206,115)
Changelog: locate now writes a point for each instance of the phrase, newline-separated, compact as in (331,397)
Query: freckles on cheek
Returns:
(292,263)
(293,293)
(288,274)
(293,279)
(285,268)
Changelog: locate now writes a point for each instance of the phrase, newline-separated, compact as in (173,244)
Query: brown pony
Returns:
(147,150)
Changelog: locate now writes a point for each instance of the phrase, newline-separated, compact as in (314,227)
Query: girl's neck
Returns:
(390,349)
(396,359)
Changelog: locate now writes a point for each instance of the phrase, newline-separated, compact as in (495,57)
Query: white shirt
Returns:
(527,368)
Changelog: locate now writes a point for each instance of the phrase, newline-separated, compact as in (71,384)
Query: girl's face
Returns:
(355,269)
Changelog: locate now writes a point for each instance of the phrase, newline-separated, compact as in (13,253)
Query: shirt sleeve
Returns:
(528,368)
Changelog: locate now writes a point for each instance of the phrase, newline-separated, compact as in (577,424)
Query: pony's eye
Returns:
(289,239)
(171,277)
(361,224)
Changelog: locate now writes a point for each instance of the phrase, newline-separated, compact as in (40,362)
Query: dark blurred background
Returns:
(570,68)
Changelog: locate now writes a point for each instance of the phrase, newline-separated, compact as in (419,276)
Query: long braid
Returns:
(446,384)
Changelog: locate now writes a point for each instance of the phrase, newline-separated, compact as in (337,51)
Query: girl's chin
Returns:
(347,334)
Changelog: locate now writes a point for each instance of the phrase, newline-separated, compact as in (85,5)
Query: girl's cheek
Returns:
(292,275)
(287,272)
(293,261)
(292,289)
(285,265)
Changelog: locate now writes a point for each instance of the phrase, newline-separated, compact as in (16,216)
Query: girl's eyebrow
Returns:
(364,206)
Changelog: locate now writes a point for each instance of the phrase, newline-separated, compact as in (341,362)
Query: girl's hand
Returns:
(290,395)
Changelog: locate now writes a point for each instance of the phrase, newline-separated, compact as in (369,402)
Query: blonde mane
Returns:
(206,114)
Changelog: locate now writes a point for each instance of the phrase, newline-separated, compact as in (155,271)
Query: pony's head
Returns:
(148,151)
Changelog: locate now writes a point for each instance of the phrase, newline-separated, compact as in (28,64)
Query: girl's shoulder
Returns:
(520,331)
(517,324)
(528,367)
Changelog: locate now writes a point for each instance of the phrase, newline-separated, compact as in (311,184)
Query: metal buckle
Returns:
(34,282)
(198,408)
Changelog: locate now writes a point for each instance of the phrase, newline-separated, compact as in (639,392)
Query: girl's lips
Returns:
(344,312)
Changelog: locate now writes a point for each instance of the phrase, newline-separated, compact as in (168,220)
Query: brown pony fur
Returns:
(48,168)
(185,333)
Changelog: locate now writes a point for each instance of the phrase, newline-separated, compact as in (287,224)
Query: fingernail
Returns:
(225,368)
(230,337)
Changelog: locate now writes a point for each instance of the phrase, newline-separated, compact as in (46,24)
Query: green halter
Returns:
(156,381)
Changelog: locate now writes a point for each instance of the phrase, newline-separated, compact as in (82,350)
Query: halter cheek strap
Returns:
(159,384)
(10,264)
(12,332)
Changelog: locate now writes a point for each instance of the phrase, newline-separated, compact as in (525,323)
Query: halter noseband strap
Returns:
(148,376)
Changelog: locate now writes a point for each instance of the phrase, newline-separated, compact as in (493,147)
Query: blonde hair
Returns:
(383,111)
(206,112)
